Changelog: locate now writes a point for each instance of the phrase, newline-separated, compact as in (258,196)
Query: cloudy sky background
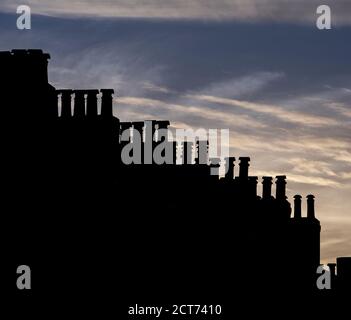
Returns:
(258,67)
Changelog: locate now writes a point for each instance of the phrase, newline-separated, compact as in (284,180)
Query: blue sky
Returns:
(260,68)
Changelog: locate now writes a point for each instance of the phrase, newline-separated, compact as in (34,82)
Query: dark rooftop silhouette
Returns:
(73,206)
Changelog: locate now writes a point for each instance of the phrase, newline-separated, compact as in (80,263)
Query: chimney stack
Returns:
(280,188)
(66,100)
(92,109)
(107,103)
(267,187)
(297,206)
(310,206)
(79,104)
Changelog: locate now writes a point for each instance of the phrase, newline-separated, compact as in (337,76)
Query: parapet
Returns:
(23,53)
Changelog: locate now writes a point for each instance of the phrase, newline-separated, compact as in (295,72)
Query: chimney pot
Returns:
(253,186)
(229,168)
(138,126)
(267,187)
(280,188)
(175,144)
(79,103)
(201,152)
(125,126)
(92,110)
(297,206)
(107,103)
(244,167)
(187,152)
(310,206)
(163,124)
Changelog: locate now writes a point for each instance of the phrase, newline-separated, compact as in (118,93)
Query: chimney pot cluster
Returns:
(189,152)
(140,126)
(310,206)
(85,103)
(243,168)
(148,130)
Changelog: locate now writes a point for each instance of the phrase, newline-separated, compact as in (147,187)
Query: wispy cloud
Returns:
(305,179)
(152,87)
(227,118)
(241,86)
(299,11)
(340,108)
(309,166)
(272,110)
(343,155)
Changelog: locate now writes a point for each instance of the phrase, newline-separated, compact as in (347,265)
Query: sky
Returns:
(260,68)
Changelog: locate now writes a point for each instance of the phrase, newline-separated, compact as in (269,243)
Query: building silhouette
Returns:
(164,230)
